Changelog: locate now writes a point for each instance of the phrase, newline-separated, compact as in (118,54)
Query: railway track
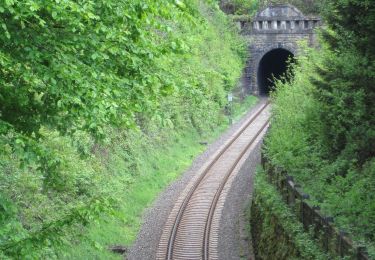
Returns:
(192,226)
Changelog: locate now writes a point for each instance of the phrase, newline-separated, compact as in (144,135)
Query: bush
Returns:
(322,125)
(276,232)
(85,89)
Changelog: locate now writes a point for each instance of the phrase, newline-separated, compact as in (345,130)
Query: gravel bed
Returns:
(234,240)
(154,218)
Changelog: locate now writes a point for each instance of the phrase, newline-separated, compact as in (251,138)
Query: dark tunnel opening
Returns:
(273,64)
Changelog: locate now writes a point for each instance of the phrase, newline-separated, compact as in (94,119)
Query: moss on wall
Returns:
(276,233)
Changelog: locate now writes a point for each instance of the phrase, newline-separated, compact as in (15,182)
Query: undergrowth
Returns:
(321,148)
(159,165)
(89,93)
(276,232)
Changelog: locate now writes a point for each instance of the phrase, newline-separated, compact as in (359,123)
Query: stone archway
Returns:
(273,64)
(274,27)
(255,63)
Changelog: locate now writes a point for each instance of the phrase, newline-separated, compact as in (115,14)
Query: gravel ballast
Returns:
(231,242)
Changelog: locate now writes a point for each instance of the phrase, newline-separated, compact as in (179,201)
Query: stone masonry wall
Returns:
(275,27)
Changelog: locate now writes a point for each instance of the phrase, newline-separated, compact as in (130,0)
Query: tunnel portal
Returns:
(273,35)
(273,64)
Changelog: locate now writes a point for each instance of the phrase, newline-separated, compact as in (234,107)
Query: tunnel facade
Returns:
(273,33)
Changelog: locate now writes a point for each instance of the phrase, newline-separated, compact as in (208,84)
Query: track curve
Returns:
(187,232)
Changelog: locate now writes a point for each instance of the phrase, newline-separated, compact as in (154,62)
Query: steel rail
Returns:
(172,237)
(207,229)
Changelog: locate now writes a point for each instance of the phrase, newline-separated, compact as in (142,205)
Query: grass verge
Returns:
(159,166)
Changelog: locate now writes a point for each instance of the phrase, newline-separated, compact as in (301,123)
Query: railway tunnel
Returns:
(273,65)
(273,35)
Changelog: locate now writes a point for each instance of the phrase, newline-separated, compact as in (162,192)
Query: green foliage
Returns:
(276,232)
(37,208)
(79,65)
(351,24)
(241,7)
(250,7)
(338,182)
(161,160)
(241,107)
(306,6)
(323,121)
(85,89)
(345,87)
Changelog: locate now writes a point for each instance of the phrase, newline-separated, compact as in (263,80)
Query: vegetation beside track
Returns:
(250,7)
(323,121)
(90,95)
(275,230)
(159,165)
(322,130)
